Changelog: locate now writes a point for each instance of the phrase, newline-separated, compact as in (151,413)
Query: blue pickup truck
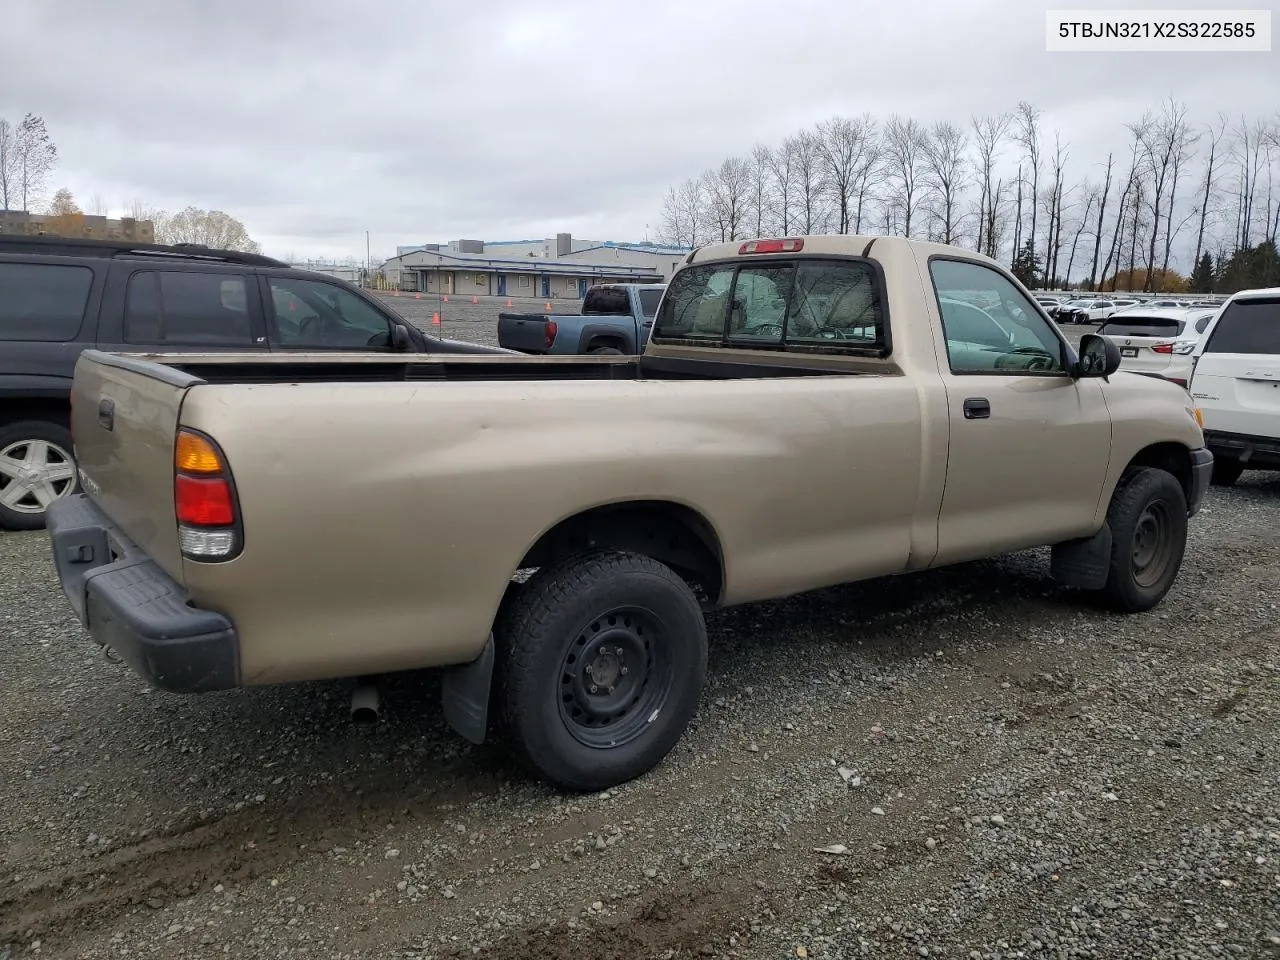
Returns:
(615,318)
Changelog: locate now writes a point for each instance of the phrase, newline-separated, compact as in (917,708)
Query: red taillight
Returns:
(204,502)
(204,499)
(1162,348)
(549,333)
(771,246)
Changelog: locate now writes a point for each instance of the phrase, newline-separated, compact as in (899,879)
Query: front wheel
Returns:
(1148,521)
(603,660)
(36,468)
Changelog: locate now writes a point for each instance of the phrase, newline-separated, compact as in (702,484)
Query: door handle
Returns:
(977,408)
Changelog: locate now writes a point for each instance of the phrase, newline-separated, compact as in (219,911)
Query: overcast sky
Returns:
(316,120)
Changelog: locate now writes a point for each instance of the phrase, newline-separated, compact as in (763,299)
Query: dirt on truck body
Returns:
(807,412)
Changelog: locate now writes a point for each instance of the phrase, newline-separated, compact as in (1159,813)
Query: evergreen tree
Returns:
(1026,265)
(1202,277)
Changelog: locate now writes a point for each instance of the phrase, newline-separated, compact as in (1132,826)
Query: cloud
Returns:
(315,120)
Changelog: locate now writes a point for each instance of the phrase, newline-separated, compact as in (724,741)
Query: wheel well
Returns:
(606,340)
(39,408)
(1171,457)
(668,532)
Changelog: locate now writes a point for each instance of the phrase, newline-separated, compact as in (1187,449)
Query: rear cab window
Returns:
(606,302)
(1249,326)
(43,301)
(828,304)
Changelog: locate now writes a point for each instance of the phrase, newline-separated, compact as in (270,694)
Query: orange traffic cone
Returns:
(417,296)
(446,299)
(508,301)
(435,318)
(548,306)
(475,299)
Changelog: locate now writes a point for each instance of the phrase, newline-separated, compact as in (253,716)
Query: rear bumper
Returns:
(1201,470)
(1261,453)
(129,604)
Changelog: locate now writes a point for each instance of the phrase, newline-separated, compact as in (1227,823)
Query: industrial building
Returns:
(551,269)
(22,223)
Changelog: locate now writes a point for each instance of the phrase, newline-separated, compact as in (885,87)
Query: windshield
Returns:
(1247,326)
(1134,325)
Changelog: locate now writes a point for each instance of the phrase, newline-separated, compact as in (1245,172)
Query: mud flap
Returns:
(1083,563)
(464,694)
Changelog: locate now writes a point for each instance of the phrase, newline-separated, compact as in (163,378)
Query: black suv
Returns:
(59,296)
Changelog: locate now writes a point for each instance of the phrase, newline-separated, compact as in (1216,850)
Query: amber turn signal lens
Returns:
(195,454)
(1199,418)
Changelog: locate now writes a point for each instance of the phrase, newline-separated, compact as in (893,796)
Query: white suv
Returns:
(1157,342)
(1236,384)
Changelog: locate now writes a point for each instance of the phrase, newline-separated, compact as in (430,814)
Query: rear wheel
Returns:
(36,468)
(604,349)
(603,657)
(1148,521)
(1225,472)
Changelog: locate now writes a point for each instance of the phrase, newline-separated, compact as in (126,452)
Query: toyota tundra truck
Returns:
(550,531)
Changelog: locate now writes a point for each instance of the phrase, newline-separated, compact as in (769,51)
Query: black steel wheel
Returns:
(614,675)
(1148,520)
(602,661)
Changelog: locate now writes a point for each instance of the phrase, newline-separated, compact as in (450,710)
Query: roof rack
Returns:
(47,243)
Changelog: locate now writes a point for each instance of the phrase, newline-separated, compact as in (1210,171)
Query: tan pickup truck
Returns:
(808,412)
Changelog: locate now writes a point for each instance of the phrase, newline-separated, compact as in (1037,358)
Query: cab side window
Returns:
(314,315)
(989,324)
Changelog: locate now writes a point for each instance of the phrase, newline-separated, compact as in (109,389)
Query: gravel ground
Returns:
(994,768)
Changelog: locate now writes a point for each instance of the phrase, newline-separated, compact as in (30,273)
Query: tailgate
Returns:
(526,332)
(124,417)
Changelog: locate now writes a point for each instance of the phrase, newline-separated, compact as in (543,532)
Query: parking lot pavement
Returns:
(1012,773)
(478,323)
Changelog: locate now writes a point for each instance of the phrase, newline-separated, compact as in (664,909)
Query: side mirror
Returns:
(400,341)
(1099,357)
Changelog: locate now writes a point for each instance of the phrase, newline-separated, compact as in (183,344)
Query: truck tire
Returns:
(36,467)
(1148,521)
(1225,472)
(604,350)
(602,658)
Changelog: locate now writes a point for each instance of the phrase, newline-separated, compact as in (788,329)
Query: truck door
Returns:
(1029,445)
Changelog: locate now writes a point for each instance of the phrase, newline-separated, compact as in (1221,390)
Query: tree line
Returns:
(28,156)
(1007,187)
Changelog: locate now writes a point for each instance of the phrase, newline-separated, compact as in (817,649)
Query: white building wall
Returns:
(666,263)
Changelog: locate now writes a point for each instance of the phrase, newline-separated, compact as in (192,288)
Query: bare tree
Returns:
(97,205)
(1160,142)
(1247,151)
(944,161)
(806,159)
(904,153)
(1028,135)
(1215,139)
(989,133)
(1097,233)
(8,164)
(683,214)
(1090,197)
(761,193)
(729,192)
(63,204)
(212,228)
(1117,236)
(1053,235)
(782,165)
(845,145)
(36,158)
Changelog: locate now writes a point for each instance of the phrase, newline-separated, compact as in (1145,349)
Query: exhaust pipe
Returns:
(364,704)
